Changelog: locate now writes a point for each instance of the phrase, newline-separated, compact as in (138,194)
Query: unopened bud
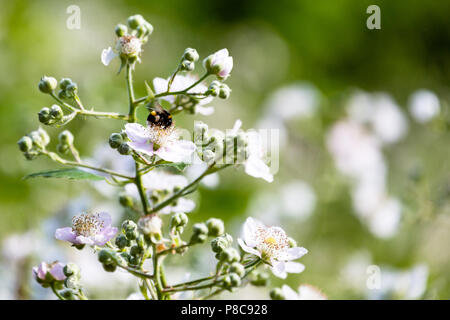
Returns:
(135,21)
(25,144)
(56,112)
(187,65)
(237,268)
(115,140)
(215,227)
(124,149)
(71,269)
(121,241)
(47,84)
(179,219)
(230,255)
(66,137)
(190,54)
(277,294)
(121,30)
(64,83)
(126,201)
(44,115)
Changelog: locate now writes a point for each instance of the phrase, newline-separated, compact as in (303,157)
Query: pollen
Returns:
(87,225)
(270,241)
(153,113)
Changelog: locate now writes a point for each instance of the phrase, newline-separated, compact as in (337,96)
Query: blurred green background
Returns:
(273,43)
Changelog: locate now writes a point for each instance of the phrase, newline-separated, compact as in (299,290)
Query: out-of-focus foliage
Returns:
(274,44)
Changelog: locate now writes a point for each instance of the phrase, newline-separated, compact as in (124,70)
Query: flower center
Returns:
(273,242)
(159,135)
(270,241)
(129,45)
(87,225)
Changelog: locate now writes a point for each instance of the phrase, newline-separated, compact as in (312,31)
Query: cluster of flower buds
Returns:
(190,56)
(201,231)
(178,222)
(65,142)
(51,116)
(68,88)
(134,244)
(118,141)
(277,294)
(34,143)
(259,278)
(219,89)
(48,274)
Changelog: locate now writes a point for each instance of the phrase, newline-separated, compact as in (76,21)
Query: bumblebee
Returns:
(160,117)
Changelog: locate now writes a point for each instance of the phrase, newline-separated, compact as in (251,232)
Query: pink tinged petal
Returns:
(279,269)
(294,267)
(248,249)
(226,67)
(106,235)
(296,253)
(57,271)
(289,293)
(221,54)
(42,270)
(65,234)
(107,55)
(146,148)
(255,167)
(178,151)
(136,132)
(84,240)
(105,218)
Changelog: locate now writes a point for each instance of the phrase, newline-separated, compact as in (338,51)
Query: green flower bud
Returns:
(71,269)
(136,250)
(215,227)
(109,267)
(224,92)
(68,294)
(115,140)
(25,144)
(31,155)
(105,256)
(200,228)
(259,279)
(149,28)
(62,148)
(237,268)
(231,280)
(277,294)
(292,242)
(66,137)
(141,31)
(121,30)
(135,21)
(134,260)
(40,138)
(64,83)
(190,55)
(124,149)
(56,112)
(44,115)
(179,219)
(187,65)
(47,84)
(71,89)
(230,255)
(126,201)
(122,242)
(129,225)
(221,243)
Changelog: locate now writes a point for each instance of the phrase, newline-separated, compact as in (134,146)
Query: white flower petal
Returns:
(248,249)
(205,111)
(279,269)
(294,267)
(289,293)
(249,231)
(296,253)
(136,132)
(255,167)
(107,55)
(178,151)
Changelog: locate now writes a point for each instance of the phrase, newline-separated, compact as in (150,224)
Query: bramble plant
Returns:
(151,192)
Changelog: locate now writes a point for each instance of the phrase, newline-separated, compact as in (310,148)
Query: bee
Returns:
(159,117)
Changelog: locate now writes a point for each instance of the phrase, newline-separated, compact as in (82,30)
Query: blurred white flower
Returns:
(272,245)
(305,292)
(385,219)
(424,105)
(255,165)
(197,168)
(297,100)
(298,199)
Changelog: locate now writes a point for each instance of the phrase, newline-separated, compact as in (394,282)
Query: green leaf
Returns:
(180,166)
(72,173)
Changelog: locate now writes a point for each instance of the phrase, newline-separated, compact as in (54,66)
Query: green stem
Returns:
(156,273)
(60,160)
(129,78)
(140,187)
(60,297)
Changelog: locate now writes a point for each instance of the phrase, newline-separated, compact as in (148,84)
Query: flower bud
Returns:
(71,269)
(199,233)
(150,225)
(131,234)
(62,148)
(221,243)
(231,280)
(187,65)
(259,279)
(105,256)
(190,55)
(121,30)
(109,267)
(31,155)
(124,149)
(121,241)
(115,140)
(47,84)
(66,137)
(277,294)
(230,255)
(292,242)
(237,268)
(215,227)
(64,83)
(219,63)
(56,112)
(135,21)
(179,219)
(136,251)
(25,144)
(126,201)
(44,115)
(224,92)
(71,90)
(40,138)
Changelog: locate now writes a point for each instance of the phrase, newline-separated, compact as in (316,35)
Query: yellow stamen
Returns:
(270,240)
